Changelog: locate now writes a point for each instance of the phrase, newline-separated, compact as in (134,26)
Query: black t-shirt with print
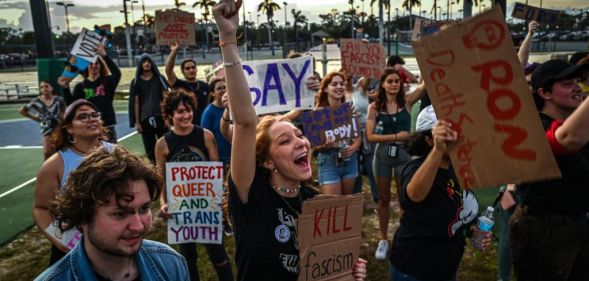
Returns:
(430,240)
(201,91)
(265,233)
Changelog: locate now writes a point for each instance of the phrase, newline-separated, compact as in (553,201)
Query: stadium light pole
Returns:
(67,20)
(127,34)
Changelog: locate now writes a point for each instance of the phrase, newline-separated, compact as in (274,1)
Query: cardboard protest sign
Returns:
(194,191)
(337,123)
(86,44)
(175,25)
(475,81)
(329,236)
(360,58)
(279,85)
(541,15)
(69,239)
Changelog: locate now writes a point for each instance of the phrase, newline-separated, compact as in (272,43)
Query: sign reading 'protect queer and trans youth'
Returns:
(194,191)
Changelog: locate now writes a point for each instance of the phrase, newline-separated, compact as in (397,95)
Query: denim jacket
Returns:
(156,261)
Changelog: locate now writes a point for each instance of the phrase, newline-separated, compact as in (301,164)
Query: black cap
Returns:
(393,60)
(553,70)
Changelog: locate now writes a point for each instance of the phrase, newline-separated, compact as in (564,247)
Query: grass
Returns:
(28,255)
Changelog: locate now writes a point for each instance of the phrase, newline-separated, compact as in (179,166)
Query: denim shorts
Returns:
(330,172)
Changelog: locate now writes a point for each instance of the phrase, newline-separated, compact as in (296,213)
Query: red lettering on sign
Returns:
(487,76)
(515,136)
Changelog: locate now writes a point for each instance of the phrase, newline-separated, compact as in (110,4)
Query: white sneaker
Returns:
(381,250)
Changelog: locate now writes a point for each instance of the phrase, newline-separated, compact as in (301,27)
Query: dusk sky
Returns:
(16,13)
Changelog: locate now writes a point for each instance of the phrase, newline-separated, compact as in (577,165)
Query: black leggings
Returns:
(218,256)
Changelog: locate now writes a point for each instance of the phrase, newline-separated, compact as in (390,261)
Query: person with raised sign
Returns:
(269,162)
(549,230)
(337,162)
(47,109)
(388,125)
(108,200)
(80,132)
(430,241)
(190,83)
(187,142)
(98,87)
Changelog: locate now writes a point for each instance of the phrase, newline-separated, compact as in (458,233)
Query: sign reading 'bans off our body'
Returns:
(361,58)
(175,25)
(475,82)
(194,191)
(330,234)
(279,85)
(337,123)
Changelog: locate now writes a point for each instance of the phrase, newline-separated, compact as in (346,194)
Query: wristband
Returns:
(224,43)
(231,64)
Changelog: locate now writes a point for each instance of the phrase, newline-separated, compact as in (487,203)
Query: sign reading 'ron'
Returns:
(475,82)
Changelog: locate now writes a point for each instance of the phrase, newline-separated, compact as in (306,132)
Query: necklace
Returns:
(286,189)
(294,211)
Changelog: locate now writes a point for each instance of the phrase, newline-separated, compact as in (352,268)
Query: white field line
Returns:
(33,179)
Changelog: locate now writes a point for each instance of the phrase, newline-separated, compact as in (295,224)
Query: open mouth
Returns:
(579,97)
(302,161)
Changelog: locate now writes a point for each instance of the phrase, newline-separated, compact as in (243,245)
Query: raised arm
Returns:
(170,62)
(412,98)
(573,133)
(523,54)
(421,183)
(243,162)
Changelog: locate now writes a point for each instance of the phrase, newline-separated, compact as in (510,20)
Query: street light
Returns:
(450,11)
(133,14)
(284,30)
(67,20)
(127,34)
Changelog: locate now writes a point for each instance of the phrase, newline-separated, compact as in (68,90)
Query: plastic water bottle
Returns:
(340,153)
(486,222)
(379,128)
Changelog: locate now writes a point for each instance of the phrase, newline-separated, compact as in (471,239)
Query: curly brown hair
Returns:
(102,175)
(381,97)
(172,100)
(60,136)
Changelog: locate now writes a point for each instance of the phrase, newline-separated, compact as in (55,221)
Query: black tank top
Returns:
(189,148)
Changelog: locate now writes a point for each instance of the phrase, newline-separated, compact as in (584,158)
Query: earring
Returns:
(71,139)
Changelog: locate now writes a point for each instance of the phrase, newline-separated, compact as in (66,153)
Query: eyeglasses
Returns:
(86,117)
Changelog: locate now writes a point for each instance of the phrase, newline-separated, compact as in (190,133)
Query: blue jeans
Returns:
(331,172)
(397,275)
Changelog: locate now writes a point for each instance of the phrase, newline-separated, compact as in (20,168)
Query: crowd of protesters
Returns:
(269,159)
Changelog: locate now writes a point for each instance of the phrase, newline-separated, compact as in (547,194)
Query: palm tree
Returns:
(435,10)
(268,7)
(178,4)
(298,17)
(408,4)
(204,6)
(385,4)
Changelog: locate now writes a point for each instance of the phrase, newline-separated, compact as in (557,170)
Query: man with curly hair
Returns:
(108,200)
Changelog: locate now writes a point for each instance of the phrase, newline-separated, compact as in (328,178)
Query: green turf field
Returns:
(17,166)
